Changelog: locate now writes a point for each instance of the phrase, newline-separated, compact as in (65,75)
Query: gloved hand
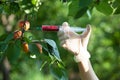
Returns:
(76,43)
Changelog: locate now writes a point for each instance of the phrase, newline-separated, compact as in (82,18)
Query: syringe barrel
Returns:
(50,28)
(57,28)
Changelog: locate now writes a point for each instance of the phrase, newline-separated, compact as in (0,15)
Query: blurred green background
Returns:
(104,44)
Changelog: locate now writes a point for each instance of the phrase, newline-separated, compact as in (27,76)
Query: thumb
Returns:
(86,35)
(68,31)
(65,26)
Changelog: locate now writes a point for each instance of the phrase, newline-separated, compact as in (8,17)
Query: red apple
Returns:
(24,24)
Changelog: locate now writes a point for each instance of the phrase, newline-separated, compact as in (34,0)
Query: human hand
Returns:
(76,43)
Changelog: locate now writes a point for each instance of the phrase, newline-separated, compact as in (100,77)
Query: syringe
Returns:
(57,28)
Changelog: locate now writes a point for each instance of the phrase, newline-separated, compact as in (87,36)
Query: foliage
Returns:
(104,44)
(79,7)
(12,48)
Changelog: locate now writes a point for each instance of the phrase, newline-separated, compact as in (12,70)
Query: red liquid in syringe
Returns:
(57,28)
(50,28)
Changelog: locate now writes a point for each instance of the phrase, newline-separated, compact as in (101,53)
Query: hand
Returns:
(77,44)
(74,42)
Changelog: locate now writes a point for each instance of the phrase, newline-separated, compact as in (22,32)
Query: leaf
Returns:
(34,2)
(85,3)
(3,46)
(81,12)
(3,37)
(64,0)
(89,13)
(58,73)
(28,40)
(42,65)
(1,9)
(14,6)
(117,11)
(13,51)
(74,7)
(115,4)
(78,8)
(104,8)
(26,6)
(33,48)
(61,65)
(53,48)
(45,48)
(9,37)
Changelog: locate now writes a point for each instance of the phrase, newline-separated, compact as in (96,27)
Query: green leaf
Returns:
(78,8)
(13,51)
(58,73)
(81,12)
(6,37)
(3,46)
(9,37)
(117,11)
(53,48)
(44,48)
(89,13)
(28,40)
(118,1)
(28,37)
(115,4)
(61,65)
(42,65)
(34,49)
(1,9)
(3,37)
(74,7)
(26,6)
(85,3)
(15,7)
(34,2)
(104,8)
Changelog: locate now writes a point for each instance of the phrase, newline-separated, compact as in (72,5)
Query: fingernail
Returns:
(65,24)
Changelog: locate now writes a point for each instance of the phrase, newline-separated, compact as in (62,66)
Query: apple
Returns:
(17,34)
(25,47)
(24,25)
(39,46)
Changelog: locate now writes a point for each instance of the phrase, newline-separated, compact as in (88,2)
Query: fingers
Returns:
(87,32)
(62,38)
(63,43)
(86,35)
(67,30)
(62,35)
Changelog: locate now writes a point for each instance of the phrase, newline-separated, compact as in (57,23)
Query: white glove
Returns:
(75,43)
